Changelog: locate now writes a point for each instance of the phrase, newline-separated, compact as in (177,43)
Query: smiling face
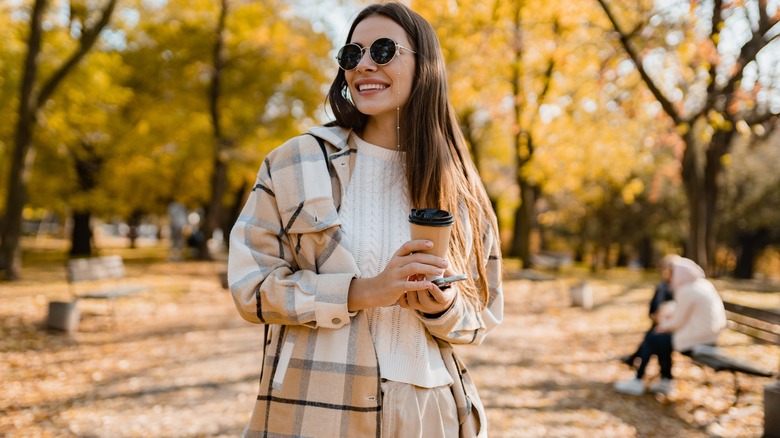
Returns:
(377,90)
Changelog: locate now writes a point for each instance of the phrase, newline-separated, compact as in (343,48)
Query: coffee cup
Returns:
(434,225)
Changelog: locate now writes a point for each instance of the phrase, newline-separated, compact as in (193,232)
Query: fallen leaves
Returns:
(179,361)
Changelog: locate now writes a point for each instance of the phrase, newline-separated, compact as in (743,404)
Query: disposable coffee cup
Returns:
(434,225)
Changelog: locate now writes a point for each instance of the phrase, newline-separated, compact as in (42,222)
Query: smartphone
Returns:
(445,282)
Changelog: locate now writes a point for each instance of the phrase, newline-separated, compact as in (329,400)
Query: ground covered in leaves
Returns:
(177,361)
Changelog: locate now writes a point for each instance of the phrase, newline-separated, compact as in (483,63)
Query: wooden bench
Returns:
(550,261)
(758,323)
(103,274)
(99,278)
(95,278)
(761,324)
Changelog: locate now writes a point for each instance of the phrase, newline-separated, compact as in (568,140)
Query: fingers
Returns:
(409,258)
(436,295)
(413,246)
(423,299)
(428,300)
(407,271)
(403,301)
(418,285)
(412,300)
(422,270)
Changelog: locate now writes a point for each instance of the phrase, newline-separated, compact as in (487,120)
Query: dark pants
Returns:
(660,345)
(635,354)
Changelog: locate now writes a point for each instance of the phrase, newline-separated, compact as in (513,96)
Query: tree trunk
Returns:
(622,257)
(524,223)
(134,224)
(750,246)
(465,119)
(695,247)
(719,145)
(215,208)
(88,164)
(525,216)
(515,249)
(81,236)
(19,172)
(29,103)
(646,253)
(579,250)
(702,190)
(215,211)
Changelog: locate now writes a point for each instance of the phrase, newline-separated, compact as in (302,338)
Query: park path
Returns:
(179,362)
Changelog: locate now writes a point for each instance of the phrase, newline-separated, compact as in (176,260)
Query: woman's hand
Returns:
(431,300)
(406,266)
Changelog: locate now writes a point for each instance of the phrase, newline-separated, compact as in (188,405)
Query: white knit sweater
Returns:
(374,216)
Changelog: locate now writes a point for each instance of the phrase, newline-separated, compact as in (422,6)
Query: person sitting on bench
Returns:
(698,318)
(658,304)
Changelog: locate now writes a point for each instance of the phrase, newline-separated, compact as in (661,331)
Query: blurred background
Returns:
(607,132)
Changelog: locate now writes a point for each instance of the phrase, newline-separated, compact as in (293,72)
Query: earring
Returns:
(398,115)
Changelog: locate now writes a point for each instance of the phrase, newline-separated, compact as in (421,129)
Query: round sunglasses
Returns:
(382,51)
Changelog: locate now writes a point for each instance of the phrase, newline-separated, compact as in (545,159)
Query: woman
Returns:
(697,319)
(660,304)
(357,341)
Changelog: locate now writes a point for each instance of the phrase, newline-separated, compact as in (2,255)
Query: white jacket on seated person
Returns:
(699,315)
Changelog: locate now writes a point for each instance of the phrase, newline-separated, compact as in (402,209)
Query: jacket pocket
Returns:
(310,216)
(284,362)
(471,411)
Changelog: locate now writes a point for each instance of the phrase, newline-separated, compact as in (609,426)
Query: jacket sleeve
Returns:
(272,277)
(465,322)
(658,298)
(682,313)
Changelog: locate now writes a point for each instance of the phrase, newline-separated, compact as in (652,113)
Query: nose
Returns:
(365,61)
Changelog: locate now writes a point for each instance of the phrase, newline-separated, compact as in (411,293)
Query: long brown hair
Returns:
(439,170)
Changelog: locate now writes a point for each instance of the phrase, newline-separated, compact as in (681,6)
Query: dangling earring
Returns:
(398,115)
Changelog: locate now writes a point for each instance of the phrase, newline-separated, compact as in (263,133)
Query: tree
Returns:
(139,135)
(84,125)
(32,98)
(224,142)
(474,36)
(707,76)
(248,76)
(536,93)
(752,190)
(526,111)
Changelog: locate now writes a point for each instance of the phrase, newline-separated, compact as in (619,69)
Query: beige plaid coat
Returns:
(287,269)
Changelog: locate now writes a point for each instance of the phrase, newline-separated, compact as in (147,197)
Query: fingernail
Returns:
(429,244)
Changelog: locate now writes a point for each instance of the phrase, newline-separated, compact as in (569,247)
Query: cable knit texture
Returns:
(374,216)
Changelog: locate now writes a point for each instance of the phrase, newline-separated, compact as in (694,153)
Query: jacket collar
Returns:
(335,135)
(343,160)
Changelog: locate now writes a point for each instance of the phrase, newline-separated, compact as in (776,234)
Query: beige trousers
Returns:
(413,411)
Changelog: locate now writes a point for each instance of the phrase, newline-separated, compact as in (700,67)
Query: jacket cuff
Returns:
(330,303)
(448,318)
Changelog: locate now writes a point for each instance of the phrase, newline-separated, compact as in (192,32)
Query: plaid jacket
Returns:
(288,269)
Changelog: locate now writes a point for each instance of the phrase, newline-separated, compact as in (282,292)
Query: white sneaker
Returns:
(632,387)
(663,386)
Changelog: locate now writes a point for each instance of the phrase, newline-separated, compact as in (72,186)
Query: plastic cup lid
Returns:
(431,217)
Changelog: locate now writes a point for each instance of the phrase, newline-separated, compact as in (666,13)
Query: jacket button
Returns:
(336,321)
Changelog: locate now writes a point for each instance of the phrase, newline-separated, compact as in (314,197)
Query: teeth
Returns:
(364,87)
